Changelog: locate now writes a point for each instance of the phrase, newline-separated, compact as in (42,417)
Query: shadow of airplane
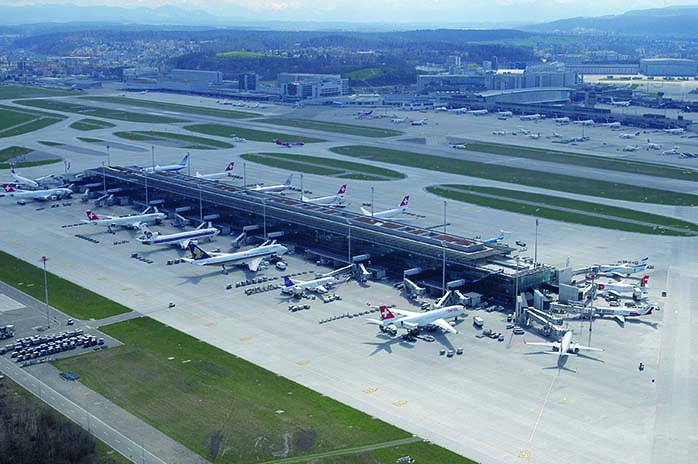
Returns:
(388,344)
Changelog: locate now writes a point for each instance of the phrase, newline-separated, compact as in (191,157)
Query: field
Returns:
(229,410)
(88,124)
(8,153)
(351,129)
(246,55)
(106,113)
(65,296)
(8,92)
(14,121)
(191,141)
(190,109)
(513,175)
(49,143)
(90,140)
(579,159)
(567,210)
(221,130)
(323,166)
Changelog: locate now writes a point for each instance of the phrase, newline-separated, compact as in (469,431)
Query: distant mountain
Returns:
(671,21)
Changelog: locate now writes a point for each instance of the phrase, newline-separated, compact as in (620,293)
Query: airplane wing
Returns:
(445,326)
(403,312)
(184,243)
(136,225)
(254,263)
(587,348)
(548,344)
(320,289)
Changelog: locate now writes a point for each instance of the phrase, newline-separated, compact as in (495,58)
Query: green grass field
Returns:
(49,143)
(514,175)
(14,121)
(88,124)
(179,108)
(225,408)
(8,92)
(580,159)
(567,210)
(90,140)
(13,152)
(199,143)
(351,129)
(221,130)
(65,296)
(57,105)
(323,166)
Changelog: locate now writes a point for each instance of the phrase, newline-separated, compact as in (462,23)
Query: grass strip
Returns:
(176,107)
(221,130)
(583,217)
(350,129)
(105,113)
(17,91)
(90,140)
(316,161)
(514,175)
(64,295)
(156,135)
(48,143)
(261,158)
(210,400)
(13,152)
(88,124)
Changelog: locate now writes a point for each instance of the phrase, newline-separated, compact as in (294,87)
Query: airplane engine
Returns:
(392,331)
(555,348)
(575,350)
(53,197)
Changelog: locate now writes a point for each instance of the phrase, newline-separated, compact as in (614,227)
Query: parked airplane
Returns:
(624,268)
(496,239)
(621,313)
(584,122)
(612,125)
(531,117)
(413,322)
(459,146)
(459,110)
(363,114)
(419,122)
(252,257)
(624,287)
(499,132)
(320,285)
(631,148)
(561,121)
(39,195)
(274,188)
(331,200)
(535,136)
(389,212)
(556,135)
(181,239)
(217,175)
(505,114)
(169,167)
(653,146)
(673,151)
(619,103)
(478,112)
(19,180)
(398,120)
(630,136)
(565,346)
(441,109)
(288,144)
(134,221)
(674,131)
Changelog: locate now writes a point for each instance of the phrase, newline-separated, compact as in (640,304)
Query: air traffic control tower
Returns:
(333,233)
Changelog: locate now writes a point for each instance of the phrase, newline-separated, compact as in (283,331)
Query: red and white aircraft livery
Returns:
(393,319)
(389,212)
(331,200)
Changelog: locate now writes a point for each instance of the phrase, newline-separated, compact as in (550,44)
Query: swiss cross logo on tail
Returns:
(12,169)
(342,190)
(230,166)
(643,282)
(91,215)
(405,201)
(385,313)
(8,188)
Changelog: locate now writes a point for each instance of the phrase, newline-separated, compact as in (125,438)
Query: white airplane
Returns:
(441,109)
(535,136)
(398,120)
(39,195)
(584,122)
(531,117)
(181,239)
(653,146)
(252,257)
(133,221)
(674,131)
(459,110)
(419,122)
(320,285)
(499,132)
(624,287)
(274,188)
(631,148)
(478,112)
(524,131)
(389,212)
(561,121)
(168,167)
(331,200)
(217,175)
(630,136)
(413,322)
(19,180)
(619,103)
(556,135)
(238,139)
(621,313)
(624,268)
(612,125)
(673,151)
(506,114)
(565,346)
(459,146)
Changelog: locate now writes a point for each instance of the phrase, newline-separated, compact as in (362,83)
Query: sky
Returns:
(466,12)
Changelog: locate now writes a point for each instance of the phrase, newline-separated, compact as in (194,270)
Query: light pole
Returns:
(264,213)
(147,204)
(201,205)
(188,164)
(48,320)
(301,187)
(152,156)
(445,203)
(104,178)
(244,174)
(371,201)
(535,246)
(443,270)
(349,240)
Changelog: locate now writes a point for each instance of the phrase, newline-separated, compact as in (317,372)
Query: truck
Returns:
(7,331)
(478,321)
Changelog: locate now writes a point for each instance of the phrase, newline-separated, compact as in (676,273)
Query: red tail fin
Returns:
(8,188)
(404,201)
(385,313)
(230,166)
(643,282)
(342,190)
(91,215)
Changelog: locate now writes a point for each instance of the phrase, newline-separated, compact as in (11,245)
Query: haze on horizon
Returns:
(433,12)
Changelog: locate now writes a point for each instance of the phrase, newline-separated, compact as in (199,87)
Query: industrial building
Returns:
(295,87)
(535,96)
(668,67)
(434,260)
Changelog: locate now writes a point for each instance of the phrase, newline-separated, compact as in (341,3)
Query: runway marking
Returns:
(370,390)
(195,318)
(542,408)
(525,454)
(211,324)
(139,294)
(400,403)
(303,362)
(101,278)
(126,289)
(245,339)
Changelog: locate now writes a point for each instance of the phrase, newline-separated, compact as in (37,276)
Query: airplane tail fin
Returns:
(643,282)
(342,190)
(288,282)
(289,180)
(404,202)
(91,215)
(385,313)
(184,160)
(197,252)
(229,168)
(147,234)
(8,188)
